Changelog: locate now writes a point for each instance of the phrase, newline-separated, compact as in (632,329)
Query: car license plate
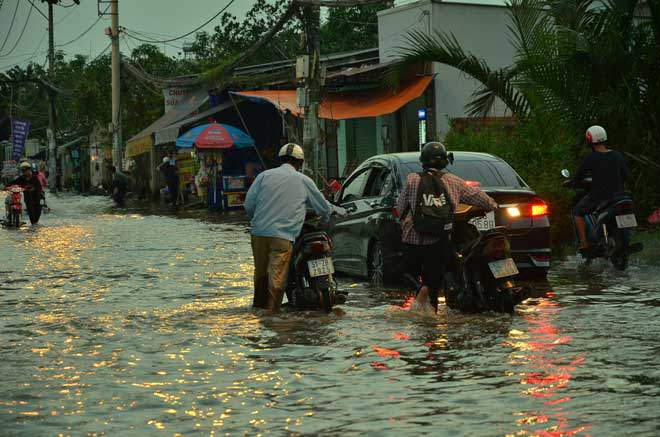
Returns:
(503,268)
(320,267)
(626,221)
(484,223)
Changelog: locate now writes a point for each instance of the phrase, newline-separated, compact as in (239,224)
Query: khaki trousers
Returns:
(271,266)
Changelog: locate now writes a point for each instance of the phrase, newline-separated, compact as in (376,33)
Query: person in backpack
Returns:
(427,204)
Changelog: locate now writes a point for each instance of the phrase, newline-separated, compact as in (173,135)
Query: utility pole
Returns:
(312,24)
(117,152)
(52,120)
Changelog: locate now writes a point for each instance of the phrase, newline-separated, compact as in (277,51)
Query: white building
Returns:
(480,29)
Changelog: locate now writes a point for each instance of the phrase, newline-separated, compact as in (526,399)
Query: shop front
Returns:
(218,162)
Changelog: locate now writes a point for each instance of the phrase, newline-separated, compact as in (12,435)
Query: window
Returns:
(354,188)
(487,173)
(377,182)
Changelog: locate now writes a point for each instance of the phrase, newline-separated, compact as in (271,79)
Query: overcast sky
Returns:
(159,19)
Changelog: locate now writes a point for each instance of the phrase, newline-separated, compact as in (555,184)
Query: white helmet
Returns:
(166,159)
(596,135)
(292,150)
(24,165)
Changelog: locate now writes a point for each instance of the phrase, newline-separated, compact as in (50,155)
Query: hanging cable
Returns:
(86,31)
(11,26)
(192,31)
(27,20)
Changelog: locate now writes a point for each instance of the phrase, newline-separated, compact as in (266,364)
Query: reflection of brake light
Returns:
(472,183)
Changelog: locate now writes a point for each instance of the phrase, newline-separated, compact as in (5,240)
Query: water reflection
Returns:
(152,333)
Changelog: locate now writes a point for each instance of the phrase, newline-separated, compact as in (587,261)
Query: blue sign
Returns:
(421,114)
(19,133)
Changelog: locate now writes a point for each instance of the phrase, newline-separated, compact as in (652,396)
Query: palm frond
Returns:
(445,49)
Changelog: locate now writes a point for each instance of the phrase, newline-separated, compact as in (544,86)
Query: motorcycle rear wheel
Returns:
(324,302)
(15,219)
(619,258)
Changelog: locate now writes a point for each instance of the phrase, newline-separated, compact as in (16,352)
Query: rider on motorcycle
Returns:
(608,171)
(427,255)
(32,193)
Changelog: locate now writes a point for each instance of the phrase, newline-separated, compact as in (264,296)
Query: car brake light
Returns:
(538,207)
(513,211)
(472,183)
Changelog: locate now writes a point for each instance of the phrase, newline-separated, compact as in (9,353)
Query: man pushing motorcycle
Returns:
(608,172)
(276,204)
(427,204)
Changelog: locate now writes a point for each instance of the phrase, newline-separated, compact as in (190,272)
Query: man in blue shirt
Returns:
(276,204)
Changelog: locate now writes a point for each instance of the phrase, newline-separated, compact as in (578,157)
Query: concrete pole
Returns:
(52,119)
(312,17)
(117,149)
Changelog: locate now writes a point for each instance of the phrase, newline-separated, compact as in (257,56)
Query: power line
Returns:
(85,32)
(192,31)
(27,20)
(11,26)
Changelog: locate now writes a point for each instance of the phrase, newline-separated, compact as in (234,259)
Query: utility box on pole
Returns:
(302,67)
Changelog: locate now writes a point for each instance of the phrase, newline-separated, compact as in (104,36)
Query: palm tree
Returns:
(579,61)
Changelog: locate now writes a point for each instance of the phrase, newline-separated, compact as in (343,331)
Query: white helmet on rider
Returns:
(292,150)
(23,165)
(596,135)
(166,160)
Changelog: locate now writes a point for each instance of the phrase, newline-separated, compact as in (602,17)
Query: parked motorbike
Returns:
(480,273)
(14,207)
(609,227)
(311,284)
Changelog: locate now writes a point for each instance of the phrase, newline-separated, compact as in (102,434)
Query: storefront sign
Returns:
(139,146)
(19,133)
(173,96)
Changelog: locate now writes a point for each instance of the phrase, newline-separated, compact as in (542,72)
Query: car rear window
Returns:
(487,173)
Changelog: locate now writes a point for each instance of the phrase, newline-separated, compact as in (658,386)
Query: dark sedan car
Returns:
(367,242)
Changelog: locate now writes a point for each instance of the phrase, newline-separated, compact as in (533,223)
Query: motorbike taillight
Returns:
(16,197)
(317,247)
(623,207)
(497,248)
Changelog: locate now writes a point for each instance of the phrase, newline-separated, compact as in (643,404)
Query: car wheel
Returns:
(376,264)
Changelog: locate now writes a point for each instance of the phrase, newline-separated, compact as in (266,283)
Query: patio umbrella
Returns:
(211,136)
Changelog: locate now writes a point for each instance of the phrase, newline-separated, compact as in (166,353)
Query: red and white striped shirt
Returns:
(458,191)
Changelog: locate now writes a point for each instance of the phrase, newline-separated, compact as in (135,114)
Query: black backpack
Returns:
(434,214)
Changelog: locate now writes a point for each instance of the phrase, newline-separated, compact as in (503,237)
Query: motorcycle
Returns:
(310,283)
(609,227)
(14,206)
(480,274)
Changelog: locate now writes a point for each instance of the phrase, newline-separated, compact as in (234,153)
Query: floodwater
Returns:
(118,323)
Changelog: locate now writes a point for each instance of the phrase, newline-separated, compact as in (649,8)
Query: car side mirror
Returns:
(565,173)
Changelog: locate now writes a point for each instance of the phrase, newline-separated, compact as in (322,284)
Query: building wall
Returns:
(480,29)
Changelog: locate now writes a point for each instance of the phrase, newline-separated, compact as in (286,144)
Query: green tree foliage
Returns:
(350,28)
(578,63)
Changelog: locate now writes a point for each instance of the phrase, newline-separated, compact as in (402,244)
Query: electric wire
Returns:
(192,31)
(27,20)
(11,26)
(85,32)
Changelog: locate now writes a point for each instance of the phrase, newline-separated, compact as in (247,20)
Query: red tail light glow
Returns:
(623,207)
(472,183)
(318,247)
(539,208)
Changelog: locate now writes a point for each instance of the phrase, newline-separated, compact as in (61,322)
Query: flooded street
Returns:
(128,324)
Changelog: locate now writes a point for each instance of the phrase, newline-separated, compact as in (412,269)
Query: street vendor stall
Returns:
(226,163)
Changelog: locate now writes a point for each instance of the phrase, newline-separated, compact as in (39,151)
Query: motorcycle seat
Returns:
(617,197)
(314,236)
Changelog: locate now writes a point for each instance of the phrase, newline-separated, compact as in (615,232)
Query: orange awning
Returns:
(342,106)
